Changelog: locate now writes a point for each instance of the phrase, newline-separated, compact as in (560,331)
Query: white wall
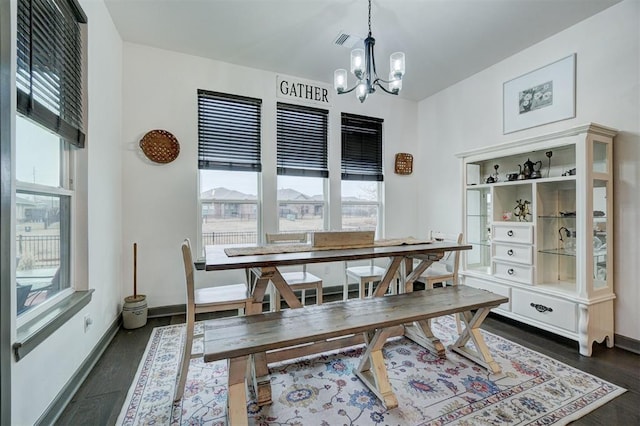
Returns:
(469,115)
(38,378)
(160,201)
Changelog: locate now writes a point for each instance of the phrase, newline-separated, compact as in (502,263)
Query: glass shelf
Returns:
(603,218)
(556,217)
(559,252)
(486,243)
(563,252)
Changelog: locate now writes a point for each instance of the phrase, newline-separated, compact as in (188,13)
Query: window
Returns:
(229,167)
(362,173)
(49,129)
(302,168)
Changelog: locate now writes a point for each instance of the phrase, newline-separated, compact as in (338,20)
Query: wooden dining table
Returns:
(401,262)
(265,268)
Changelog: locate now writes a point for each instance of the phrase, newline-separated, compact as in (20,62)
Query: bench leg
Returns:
(237,397)
(472,331)
(420,332)
(373,372)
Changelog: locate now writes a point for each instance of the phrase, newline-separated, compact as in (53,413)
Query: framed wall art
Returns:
(542,96)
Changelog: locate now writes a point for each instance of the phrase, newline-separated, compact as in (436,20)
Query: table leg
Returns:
(260,379)
(420,331)
(415,274)
(388,276)
(258,292)
(282,287)
(259,371)
(472,331)
(237,397)
(373,372)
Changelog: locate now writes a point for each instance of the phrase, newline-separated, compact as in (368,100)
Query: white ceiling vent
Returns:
(347,40)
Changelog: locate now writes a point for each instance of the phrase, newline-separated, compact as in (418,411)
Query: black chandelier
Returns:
(363,66)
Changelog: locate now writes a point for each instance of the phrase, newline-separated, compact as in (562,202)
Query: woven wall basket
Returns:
(160,146)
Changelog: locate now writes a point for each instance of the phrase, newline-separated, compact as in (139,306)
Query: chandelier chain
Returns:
(369,18)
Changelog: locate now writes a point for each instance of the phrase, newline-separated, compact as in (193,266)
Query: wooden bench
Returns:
(242,339)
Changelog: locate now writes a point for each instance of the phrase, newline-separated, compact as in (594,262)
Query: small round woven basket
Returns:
(160,146)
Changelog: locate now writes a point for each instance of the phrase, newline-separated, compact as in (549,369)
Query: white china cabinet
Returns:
(538,213)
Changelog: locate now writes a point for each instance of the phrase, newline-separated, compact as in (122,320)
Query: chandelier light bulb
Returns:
(357,63)
(396,64)
(340,80)
(361,92)
(395,84)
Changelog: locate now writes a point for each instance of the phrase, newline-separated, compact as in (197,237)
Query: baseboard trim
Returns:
(166,311)
(627,343)
(57,406)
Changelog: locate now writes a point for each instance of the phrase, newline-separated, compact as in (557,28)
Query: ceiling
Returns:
(445,41)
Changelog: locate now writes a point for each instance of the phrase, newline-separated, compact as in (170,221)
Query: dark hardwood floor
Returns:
(101,396)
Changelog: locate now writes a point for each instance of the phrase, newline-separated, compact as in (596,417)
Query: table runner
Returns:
(295,248)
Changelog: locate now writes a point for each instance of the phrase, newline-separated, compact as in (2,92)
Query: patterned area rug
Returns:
(321,390)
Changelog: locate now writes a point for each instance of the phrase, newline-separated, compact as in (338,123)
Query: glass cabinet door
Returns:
(598,220)
(557,234)
(600,157)
(478,229)
(600,234)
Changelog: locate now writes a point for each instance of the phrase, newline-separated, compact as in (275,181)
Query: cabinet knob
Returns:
(510,233)
(511,271)
(510,252)
(541,308)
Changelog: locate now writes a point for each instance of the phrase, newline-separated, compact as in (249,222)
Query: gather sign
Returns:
(301,90)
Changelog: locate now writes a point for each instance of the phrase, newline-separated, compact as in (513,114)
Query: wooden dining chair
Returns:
(446,269)
(202,300)
(296,280)
(365,276)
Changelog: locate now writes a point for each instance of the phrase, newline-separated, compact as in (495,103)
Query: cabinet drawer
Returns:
(493,288)
(513,253)
(513,233)
(513,271)
(546,309)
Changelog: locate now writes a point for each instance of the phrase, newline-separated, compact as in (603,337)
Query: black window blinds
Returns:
(302,141)
(49,67)
(361,148)
(228,132)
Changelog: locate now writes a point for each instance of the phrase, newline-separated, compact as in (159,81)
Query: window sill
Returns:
(34,332)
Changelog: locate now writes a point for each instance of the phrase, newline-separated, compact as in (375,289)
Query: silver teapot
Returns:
(528,169)
(535,174)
